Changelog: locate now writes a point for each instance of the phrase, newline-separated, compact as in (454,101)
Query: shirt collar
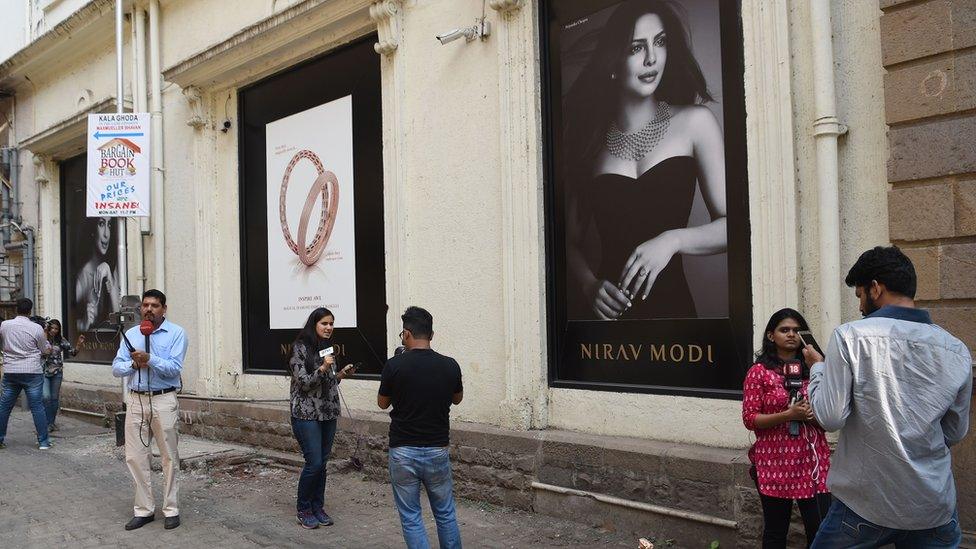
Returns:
(896,312)
(163,326)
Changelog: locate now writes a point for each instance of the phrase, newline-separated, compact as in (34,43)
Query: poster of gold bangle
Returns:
(311,205)
(646,188)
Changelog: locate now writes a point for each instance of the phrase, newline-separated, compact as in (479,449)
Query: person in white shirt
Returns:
(24,344)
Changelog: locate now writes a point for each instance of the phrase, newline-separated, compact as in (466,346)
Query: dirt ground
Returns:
(79,494)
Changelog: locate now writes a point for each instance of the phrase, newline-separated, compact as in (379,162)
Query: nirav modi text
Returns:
(676,353)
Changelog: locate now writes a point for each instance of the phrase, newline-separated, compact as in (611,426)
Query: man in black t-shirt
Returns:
(421,384)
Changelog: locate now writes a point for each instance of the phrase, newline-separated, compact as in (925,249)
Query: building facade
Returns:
(834,120)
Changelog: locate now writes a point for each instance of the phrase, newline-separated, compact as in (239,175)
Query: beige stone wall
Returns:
(930,92)
(477,259)
(930,97)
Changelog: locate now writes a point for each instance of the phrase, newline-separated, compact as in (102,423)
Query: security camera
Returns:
(481,29)
(468,33)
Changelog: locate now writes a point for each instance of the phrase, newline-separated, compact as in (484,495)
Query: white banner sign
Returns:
(311,222)
(118,165)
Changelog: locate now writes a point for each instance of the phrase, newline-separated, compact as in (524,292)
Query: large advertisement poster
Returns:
(311,200)
(90,268)
(647,194)
(311,221)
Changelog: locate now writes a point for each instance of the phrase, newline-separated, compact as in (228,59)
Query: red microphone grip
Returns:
(146,327)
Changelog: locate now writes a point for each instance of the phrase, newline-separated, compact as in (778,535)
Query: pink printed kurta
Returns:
(787,467)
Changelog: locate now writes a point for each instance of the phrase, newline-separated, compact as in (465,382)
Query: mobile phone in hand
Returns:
(807,338)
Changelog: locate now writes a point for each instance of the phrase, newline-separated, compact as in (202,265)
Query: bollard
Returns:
(120,428)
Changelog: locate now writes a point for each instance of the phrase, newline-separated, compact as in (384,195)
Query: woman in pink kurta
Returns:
(786,468)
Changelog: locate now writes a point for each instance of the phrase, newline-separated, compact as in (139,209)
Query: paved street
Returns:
(79,495)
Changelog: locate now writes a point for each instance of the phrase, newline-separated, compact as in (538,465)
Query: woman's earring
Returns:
(613,76)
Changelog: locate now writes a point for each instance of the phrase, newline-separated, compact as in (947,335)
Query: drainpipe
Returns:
(158,175)
(826,129)
(139,105)
(28,250)
(123,250)
(14,158)
(9,157)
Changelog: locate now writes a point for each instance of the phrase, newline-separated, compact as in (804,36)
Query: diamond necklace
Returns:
(635,146)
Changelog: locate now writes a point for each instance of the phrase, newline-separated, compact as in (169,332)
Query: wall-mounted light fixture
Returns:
(481,29)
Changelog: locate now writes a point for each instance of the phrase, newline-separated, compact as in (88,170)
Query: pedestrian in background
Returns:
(61,348)
(315,410)
(786,468)
(421,384)
(24,346)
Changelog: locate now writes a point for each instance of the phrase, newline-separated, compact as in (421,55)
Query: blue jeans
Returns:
(410,467)
(843,528)
(33,385)
(315,438)
(52,396)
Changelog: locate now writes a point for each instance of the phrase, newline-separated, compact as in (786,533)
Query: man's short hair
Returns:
(156,294)
(887,265)
(24,306)
(419,322)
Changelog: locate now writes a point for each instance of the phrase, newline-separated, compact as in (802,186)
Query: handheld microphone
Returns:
(399,350)
(793,372)
(146,328)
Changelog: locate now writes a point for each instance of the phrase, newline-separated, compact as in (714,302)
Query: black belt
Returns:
(154,393)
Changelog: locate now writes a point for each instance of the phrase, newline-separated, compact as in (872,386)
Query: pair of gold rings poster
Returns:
(647,194)
(311,222)
(310,141)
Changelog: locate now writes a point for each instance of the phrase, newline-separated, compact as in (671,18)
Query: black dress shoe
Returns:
(171,522)
(139,522)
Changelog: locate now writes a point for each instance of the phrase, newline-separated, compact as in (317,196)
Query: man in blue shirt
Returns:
(152,407)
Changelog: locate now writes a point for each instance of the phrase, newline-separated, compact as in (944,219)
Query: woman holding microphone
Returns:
(315,377)
(786,468)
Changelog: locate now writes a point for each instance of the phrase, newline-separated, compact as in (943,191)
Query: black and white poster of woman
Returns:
(644,99)
(90,269)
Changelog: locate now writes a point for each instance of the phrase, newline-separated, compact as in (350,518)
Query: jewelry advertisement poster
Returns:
(649,290)
(311,203)
(90,269)
(311,220)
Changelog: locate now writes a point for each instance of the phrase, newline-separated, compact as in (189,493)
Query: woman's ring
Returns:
(642,271)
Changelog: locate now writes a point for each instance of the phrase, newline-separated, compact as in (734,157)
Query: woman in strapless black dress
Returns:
(639,142)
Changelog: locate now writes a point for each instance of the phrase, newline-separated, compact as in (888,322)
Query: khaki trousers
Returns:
(165,415)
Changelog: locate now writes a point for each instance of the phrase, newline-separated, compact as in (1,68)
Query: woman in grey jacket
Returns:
(314,410)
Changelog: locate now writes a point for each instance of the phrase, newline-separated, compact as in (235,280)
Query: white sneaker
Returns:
(44,446)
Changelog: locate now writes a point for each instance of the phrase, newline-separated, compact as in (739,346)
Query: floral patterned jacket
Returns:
(54,362)
(314,396)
